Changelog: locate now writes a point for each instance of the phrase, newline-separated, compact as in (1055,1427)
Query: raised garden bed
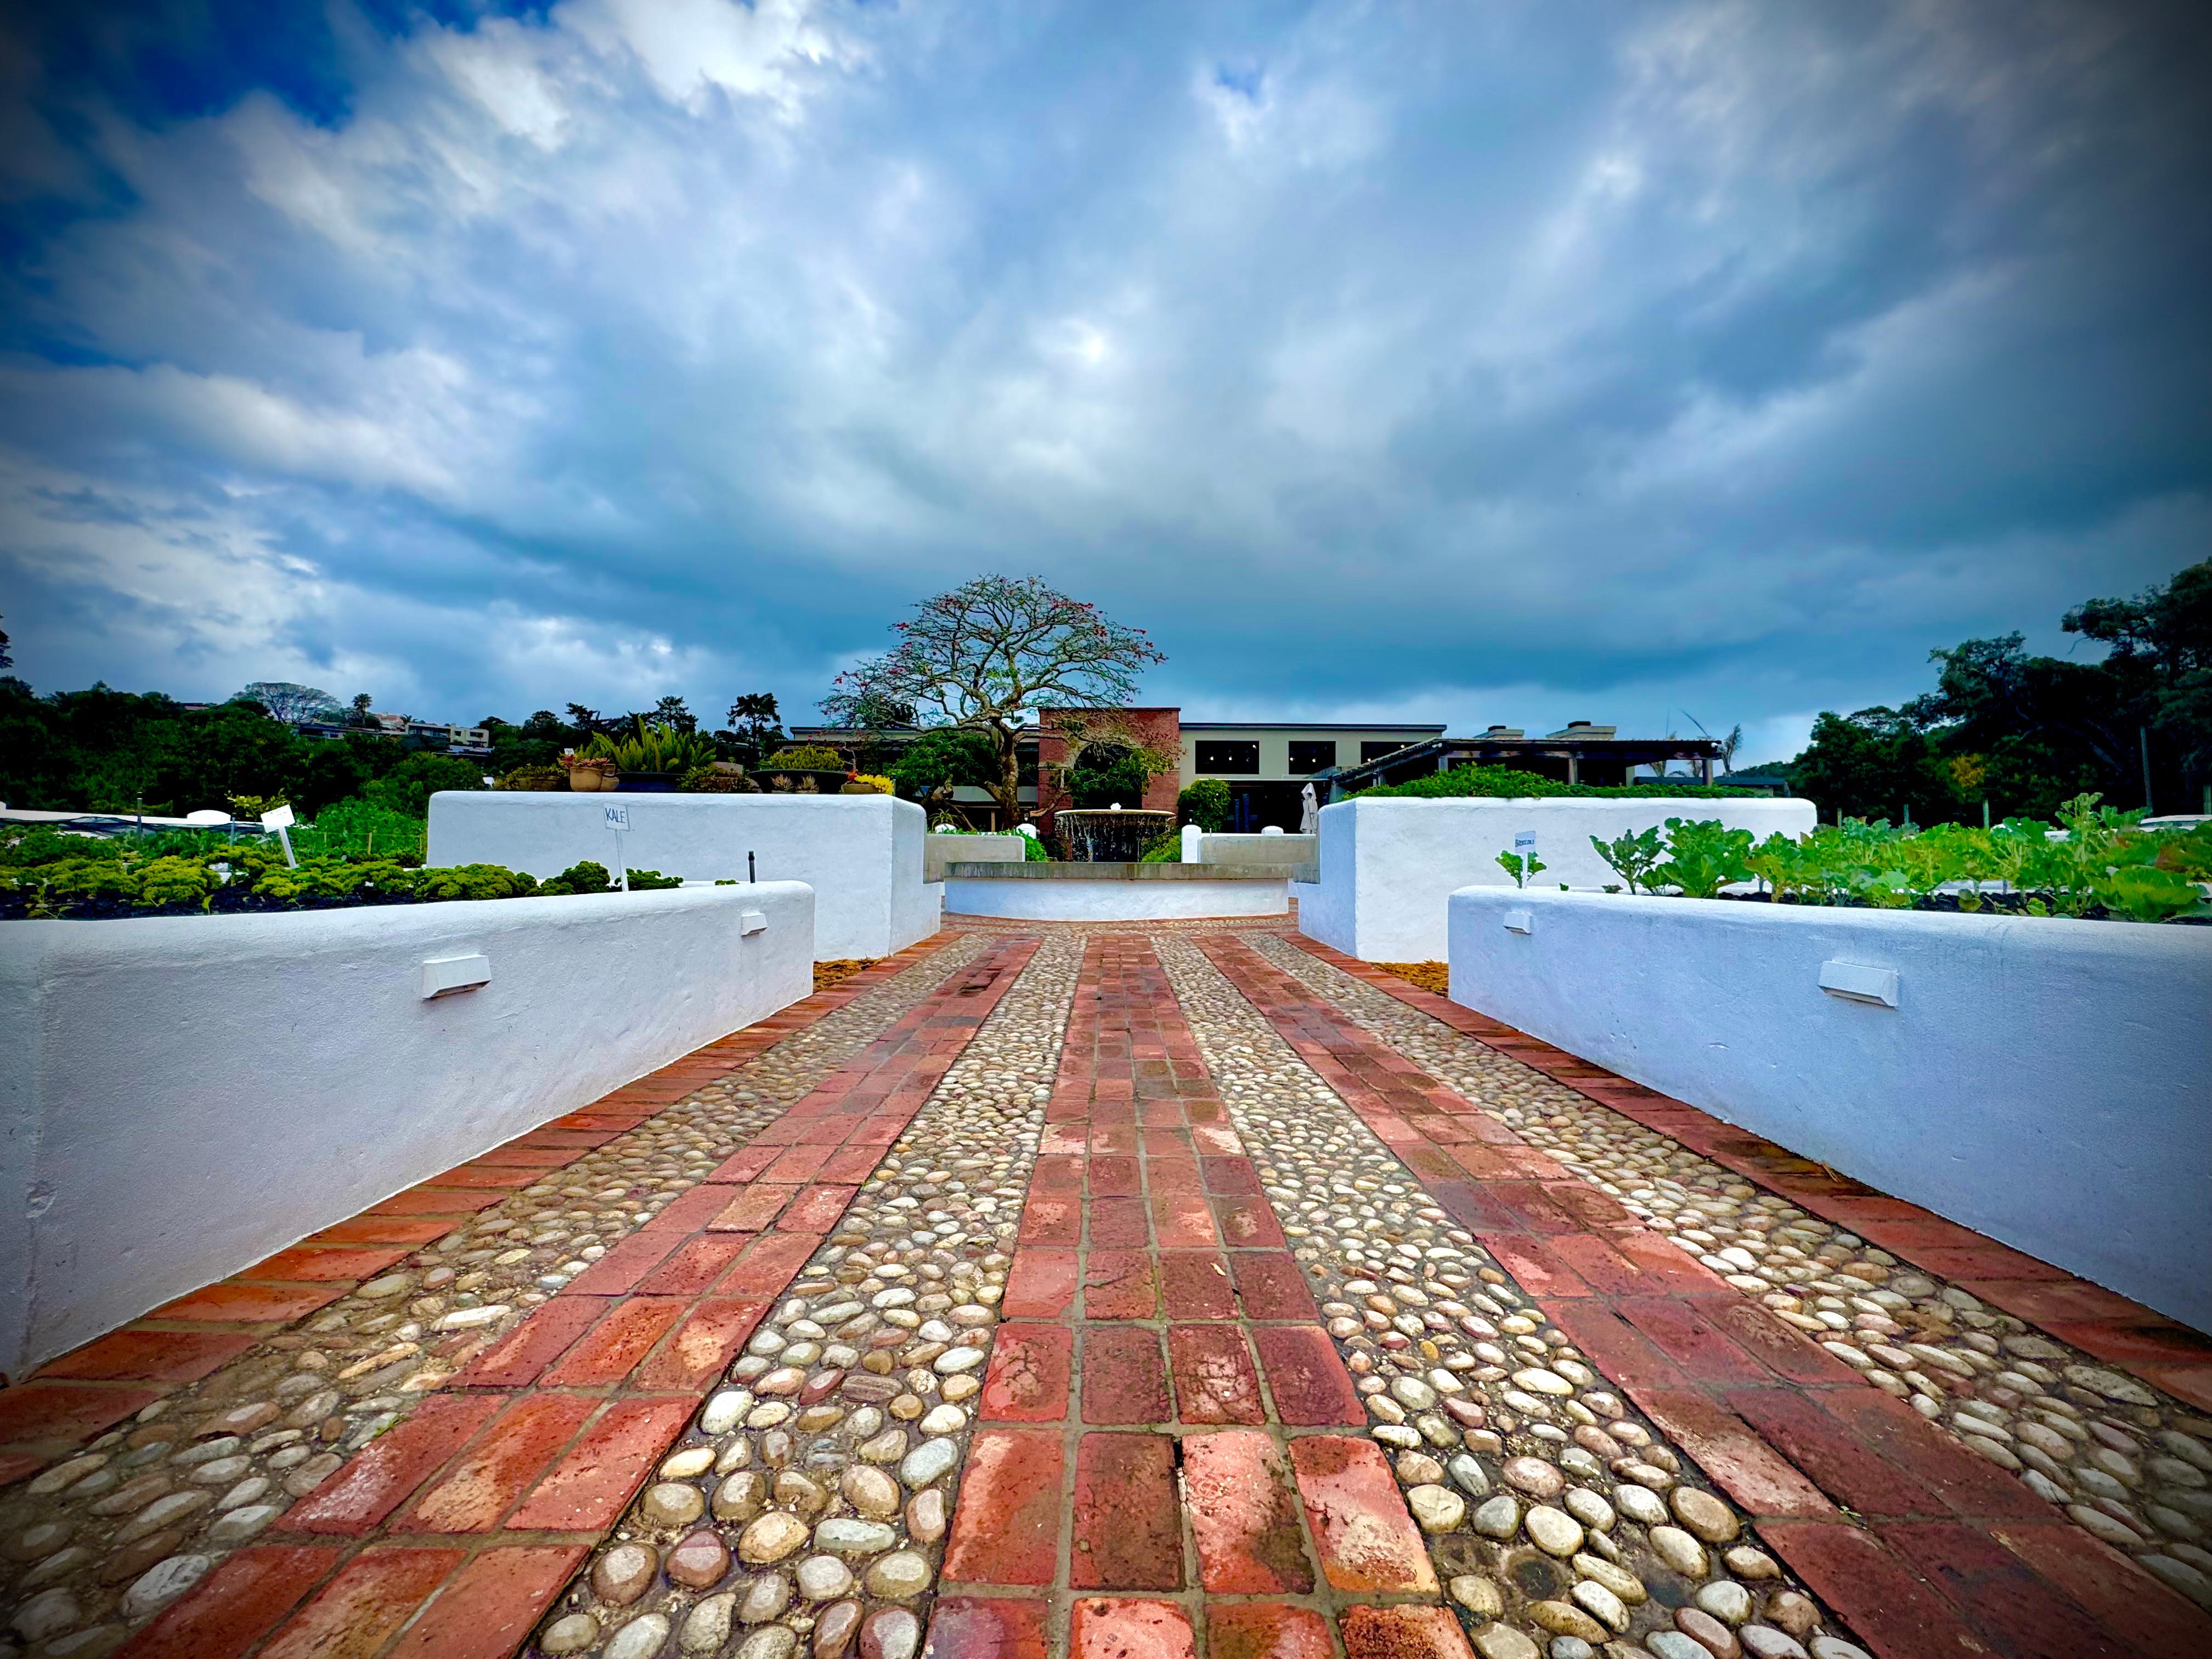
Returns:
(1389,866)
(2040,1080)
(187,1096)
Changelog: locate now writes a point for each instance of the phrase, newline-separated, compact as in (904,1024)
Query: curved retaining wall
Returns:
(1388,867)
(1163,892)
(2048,1083)
(183,1097)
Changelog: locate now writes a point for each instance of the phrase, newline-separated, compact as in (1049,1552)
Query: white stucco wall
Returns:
(181,1096)
(2046,1082)
(938,851)
(1272,850)
(1114,901)
(862,854)
(1388,867)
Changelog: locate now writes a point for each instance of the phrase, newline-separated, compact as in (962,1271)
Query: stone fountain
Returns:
(1111,836)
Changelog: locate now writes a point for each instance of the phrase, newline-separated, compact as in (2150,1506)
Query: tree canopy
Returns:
(288,701)
(986,653)
(2025,732)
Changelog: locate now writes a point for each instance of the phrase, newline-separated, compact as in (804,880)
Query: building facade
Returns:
(1267,764)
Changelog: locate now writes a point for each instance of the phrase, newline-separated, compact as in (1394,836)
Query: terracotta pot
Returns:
(586,780)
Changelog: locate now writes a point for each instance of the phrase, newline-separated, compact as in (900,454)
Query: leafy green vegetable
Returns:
(1522,870)
(1633,857)
(1703,857)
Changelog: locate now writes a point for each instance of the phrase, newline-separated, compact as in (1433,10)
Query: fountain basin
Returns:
(1115,892)
(1109,835)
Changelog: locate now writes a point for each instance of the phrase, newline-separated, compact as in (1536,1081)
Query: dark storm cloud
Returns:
(1473,362)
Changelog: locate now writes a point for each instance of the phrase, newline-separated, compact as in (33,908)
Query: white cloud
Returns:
(1374,361)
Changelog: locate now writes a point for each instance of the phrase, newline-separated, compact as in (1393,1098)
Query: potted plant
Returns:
(587,772)
(654,758)
(866,783)
(804,769)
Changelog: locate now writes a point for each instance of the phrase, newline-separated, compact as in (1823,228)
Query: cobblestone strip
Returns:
(1554,1510)
(102,1541)
(2128,1463)
(808,1503)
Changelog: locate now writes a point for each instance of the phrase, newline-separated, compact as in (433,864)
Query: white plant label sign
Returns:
(617,817)
(276,818)
(1524,843)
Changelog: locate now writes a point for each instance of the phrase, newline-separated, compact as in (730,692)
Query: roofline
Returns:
(1307,726)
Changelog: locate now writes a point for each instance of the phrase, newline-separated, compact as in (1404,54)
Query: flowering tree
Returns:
(982,655)
(289,702)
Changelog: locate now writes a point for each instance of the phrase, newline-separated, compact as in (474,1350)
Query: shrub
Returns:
(1164,849)
(474,881)
(806,758)
(1204,804)
(588,877)
(716,780)
(534,777)
(1508,782)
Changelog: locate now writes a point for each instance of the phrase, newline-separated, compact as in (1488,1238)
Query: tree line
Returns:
(105,750)
(2023,732)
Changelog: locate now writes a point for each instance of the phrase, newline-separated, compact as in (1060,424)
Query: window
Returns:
(1373,751)
(1229,757)
(1310,757)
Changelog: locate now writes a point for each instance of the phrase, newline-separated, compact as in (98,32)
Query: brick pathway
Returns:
(1179,1448)
(1167,1450)
(459,1527)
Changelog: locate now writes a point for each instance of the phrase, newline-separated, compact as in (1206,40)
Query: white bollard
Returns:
(1193,844)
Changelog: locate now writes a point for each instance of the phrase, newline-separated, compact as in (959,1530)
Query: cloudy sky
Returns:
(1489,360)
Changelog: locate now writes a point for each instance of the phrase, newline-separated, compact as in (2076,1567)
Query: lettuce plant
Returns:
(1703,857)
(2145,893)
(1633,857)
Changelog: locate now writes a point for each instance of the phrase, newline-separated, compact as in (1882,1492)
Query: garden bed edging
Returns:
(183,1097)
(2043,1081)
(862,854)
(1389,867)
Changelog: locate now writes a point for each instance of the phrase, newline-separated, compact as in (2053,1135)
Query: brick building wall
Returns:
(1156,728)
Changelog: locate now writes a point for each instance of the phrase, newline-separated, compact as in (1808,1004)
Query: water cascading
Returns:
(1111,836)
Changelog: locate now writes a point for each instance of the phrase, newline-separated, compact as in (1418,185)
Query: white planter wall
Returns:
(938,851)
(862,854)
(2048,1083)
(1389,866)
(1272,851)
(182,1096)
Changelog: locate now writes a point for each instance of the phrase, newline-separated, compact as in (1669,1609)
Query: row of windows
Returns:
(1229,759)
